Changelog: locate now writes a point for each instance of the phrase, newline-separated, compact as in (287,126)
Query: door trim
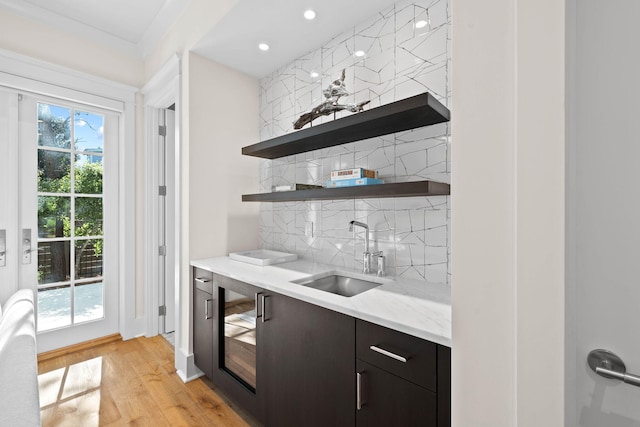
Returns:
(161,91)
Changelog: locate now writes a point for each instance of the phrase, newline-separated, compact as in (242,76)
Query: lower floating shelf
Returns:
(400,189)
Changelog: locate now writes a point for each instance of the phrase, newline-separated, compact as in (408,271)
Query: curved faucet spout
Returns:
(366,241)
(359,224)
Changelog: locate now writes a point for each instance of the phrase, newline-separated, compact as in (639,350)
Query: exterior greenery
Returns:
(55,174)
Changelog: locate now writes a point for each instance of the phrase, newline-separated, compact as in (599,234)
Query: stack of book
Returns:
(353,177)
(294,187)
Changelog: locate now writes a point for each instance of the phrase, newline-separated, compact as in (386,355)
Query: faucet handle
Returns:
(381,266)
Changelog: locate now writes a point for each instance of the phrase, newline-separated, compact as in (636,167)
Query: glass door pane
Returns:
(70,215)
(240,337)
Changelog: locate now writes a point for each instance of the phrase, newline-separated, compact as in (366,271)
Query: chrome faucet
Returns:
(367,255)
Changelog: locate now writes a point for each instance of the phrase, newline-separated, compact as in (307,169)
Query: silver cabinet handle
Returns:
(207,315)
(359,402)
(608,365)
(387,353)
(264,307)
(257,306)
(203,279)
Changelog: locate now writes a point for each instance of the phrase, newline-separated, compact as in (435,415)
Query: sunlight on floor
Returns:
(75,388)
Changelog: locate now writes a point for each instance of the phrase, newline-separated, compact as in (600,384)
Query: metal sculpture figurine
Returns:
(333,93)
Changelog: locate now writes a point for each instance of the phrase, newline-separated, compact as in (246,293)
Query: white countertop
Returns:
(418,308)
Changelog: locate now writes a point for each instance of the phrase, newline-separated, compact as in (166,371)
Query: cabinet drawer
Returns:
(203,280)
(385,348)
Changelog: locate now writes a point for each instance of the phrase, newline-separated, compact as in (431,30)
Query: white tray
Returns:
(262,257)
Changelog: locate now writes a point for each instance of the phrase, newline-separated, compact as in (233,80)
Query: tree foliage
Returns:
(54,177)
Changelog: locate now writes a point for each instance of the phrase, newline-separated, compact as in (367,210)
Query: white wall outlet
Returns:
(308,228)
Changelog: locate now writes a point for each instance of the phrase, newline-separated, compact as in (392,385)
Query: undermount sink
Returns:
(338,284)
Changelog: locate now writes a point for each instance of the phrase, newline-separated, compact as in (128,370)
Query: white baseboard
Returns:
(134,328)
(185,367)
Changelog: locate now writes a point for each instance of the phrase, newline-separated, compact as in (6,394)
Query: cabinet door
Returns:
(307,364)
(388,400)
(203,331)
(238,339)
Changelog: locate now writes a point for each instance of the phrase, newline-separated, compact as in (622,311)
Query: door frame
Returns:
(160,92)
(9,277)
(23,73)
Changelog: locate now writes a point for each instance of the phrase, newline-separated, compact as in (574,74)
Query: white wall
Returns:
(222,106)
(219,116)
(605,207)
(508,213)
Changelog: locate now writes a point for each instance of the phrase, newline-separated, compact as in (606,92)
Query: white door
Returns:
(169,219)
(9,251)
(64,232)
(166,206)
(604,208)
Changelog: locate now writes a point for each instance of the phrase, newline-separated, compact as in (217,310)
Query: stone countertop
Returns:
(417,308)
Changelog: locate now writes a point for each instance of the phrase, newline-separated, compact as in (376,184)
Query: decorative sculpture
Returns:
(333,93)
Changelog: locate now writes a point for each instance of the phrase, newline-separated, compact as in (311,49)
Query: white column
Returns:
(508,212)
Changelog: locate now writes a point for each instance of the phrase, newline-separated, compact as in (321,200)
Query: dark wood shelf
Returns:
(410,113)
(401,189)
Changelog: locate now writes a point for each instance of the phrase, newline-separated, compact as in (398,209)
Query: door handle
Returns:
(608,365)
(26,246)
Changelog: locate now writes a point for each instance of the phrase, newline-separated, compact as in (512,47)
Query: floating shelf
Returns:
(410,113)
(401,189)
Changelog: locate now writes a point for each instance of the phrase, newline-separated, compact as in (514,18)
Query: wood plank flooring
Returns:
(129,383)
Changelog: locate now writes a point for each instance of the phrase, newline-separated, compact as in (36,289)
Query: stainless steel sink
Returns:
(338,284)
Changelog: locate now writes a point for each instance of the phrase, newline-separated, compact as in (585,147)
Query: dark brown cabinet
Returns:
(401,379)
(389,400)
(291,363)
(203,321)
(307,366)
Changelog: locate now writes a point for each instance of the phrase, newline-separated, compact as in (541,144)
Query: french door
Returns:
(61,224)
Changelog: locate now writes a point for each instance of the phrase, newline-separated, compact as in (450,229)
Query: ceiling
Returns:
(281,24)
(135,27)
(129,26)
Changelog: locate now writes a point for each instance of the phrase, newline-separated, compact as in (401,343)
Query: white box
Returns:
(263,257)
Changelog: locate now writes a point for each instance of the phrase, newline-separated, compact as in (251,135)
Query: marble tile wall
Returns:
(400,60)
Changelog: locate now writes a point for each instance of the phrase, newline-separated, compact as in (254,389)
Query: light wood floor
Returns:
(128,383)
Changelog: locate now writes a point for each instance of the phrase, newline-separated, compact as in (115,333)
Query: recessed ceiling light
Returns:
(359,53)
(309,14)
(421,24)
(263,47)
(314,74)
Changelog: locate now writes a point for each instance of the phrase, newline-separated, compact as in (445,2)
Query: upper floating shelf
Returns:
(410,113)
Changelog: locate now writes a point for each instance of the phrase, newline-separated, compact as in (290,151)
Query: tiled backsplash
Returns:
(400,61)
